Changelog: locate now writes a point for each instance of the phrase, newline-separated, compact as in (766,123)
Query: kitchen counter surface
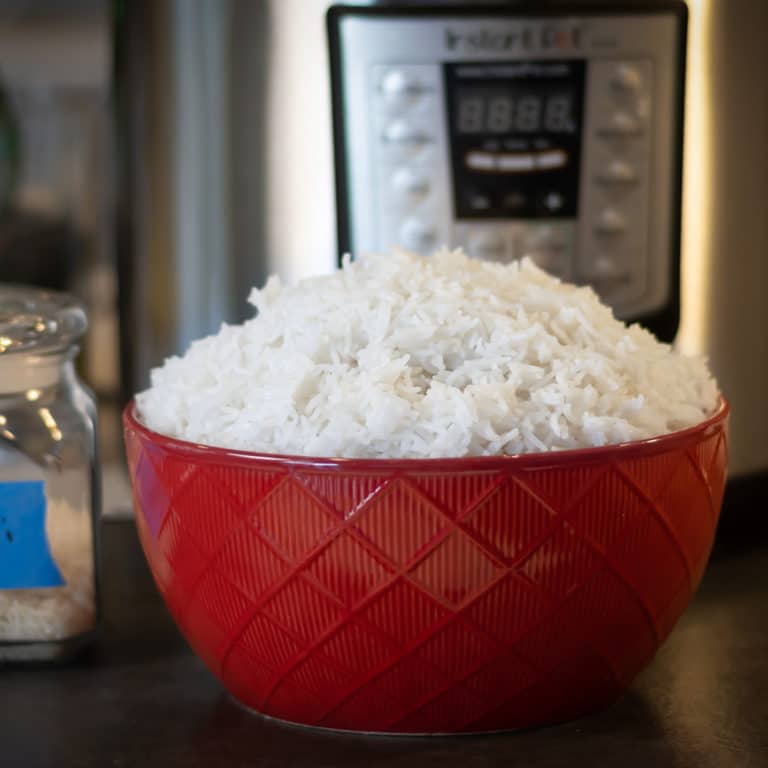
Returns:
(140,698)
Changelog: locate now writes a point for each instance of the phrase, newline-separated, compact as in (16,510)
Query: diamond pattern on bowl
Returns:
(289,701)
(428,596)
(249,488)
(604,523)
(222,601)
(266,642)
(717,473)
(705,455)
(455,570)
(244,675)
(319,675)
(348,570)
(475,648)
(153,498)
(510,536)
(560,487)
(561,563)
(509,608)
(651,474)
(175,471)
(652,563)
(292,519)
(626,644)
(404,612)
(682,503)
(545,644)
(356,710)
(210,513)
(358,649)
(346,493)
(456,494)
(304,610)
(182,563)
(401,523)
(215,612)
(454,709)
(237,555)
(409,679)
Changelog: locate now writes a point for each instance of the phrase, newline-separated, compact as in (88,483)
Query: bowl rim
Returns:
(612,452)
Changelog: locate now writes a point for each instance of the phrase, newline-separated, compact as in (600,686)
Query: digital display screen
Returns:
(515,135)
(505,111)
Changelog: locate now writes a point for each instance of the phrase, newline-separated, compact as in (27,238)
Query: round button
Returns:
(405,132)
(604,267)
(546,246)
(622,123)
(399,86)
(514,201)
(410,182)
(553,201)
(477,200)
(627,78)
(611,222)
(606,276)
(544,238)
(619,172)
(625,122)
(487,245)
(417,235)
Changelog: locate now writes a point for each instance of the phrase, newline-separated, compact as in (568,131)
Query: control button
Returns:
(547,247)
(553,201)
(627,78)
(545,238)
(480,161)
(404,132)
(554,158)
(487,245)
(607,284)
(619,172)
(515,163)
(410,182)
(611,222)
(603,268)
(399,86)
(622,124)
(514,201)
(417,235)
(477,201)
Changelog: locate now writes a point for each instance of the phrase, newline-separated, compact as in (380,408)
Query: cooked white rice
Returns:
(399,355)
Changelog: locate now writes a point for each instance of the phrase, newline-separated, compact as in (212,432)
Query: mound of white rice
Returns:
(399,355)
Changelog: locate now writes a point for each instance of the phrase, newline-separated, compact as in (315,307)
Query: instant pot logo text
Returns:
(545,37)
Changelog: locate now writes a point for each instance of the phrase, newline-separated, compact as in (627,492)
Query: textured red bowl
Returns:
(428,596)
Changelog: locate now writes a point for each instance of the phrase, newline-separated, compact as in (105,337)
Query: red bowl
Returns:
(428,595)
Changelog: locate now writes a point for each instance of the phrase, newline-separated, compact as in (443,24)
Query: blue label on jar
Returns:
(25,558)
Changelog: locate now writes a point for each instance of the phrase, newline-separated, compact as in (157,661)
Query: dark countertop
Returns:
(140,698)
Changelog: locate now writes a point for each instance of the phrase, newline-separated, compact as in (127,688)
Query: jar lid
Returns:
(37,321)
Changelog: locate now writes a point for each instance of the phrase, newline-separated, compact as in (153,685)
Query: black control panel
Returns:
(515,137)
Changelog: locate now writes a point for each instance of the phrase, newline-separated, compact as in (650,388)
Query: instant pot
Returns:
(270,137)
(548,130)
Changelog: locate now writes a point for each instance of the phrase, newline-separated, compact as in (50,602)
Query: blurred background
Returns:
(159,158)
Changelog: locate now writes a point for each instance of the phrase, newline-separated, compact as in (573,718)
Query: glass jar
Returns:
(49,487)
